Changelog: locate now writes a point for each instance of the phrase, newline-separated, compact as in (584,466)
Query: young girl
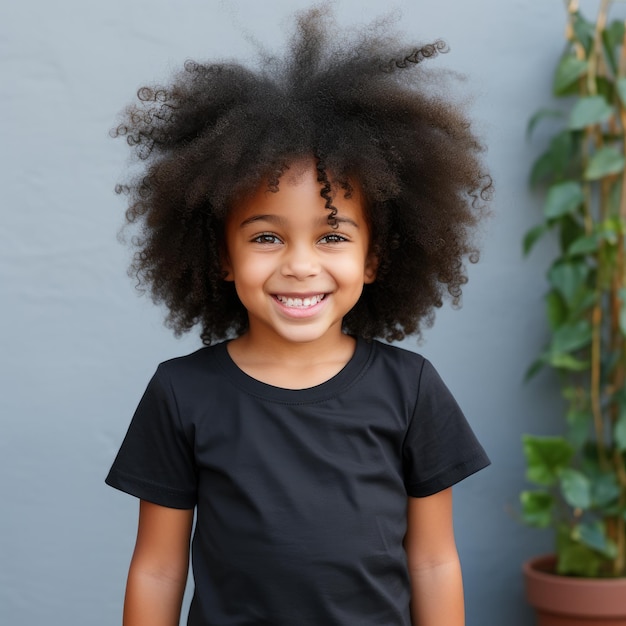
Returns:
(295,213)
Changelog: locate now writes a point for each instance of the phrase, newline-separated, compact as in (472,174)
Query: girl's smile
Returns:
(300,306)
(296,275)
(300,302)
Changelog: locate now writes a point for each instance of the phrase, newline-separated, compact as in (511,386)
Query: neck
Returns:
(294,365)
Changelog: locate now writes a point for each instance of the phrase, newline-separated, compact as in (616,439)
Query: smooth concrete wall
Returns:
(77,345)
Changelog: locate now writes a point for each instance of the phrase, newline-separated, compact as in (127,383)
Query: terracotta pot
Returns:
(572,601)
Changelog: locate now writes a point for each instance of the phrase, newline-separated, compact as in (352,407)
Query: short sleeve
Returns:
(440,448)
(155,461)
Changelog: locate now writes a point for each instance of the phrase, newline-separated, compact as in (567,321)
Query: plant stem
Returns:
(593,140)
(595,392)
(619,523)
(595,58)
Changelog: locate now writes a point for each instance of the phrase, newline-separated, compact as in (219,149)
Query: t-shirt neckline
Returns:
(339,382)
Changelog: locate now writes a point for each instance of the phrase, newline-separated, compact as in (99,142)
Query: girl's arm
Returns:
(158,569)
(434,567)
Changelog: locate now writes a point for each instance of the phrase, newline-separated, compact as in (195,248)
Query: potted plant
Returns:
(579,479)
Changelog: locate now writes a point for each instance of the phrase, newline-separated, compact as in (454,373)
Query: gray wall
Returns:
(77,346)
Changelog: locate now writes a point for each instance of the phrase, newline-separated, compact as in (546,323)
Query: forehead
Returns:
(300,192)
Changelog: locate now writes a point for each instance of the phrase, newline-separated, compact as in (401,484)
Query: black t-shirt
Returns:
(301,494)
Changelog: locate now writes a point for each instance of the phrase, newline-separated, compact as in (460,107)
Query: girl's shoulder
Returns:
(396,356)
(190,366)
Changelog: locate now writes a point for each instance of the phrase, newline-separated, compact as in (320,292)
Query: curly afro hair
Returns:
(365,108)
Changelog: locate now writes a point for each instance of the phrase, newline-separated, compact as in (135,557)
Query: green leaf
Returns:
(619,431)
(579,560)
(563,198)
(558,158)
(576,488)
(532,236)
(567,362)
(575,558)
(578,421)
(537,508)
(541,115)
(594,536)
(542,169)
(534,368)
(587,244)
(605,490)
(546,458)
(556,309)
(591,461)
(612,37)
(563,148)
(582,303)
(570,229)
(620,83)
(571,337)
(611,228)
(588,111)
(605,88)
(622,310)
(584,31)
(569,70)
(570,392)
(614,34)
(569,279)
(606,161)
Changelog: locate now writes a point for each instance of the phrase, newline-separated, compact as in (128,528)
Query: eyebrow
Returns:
(280,221)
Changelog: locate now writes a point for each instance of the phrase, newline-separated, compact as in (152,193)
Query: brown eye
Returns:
(332,238)
(266,238)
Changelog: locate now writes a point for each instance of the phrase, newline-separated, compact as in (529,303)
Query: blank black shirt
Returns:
(301,494)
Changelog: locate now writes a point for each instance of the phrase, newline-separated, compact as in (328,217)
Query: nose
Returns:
(300,262)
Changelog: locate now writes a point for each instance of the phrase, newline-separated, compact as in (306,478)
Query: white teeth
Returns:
(300,303)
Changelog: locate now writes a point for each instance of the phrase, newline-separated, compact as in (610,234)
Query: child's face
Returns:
(296,275)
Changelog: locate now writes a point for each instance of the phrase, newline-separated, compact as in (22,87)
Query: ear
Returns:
(227,271)
(371,268)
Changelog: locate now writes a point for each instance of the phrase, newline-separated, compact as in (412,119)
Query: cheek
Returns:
(352,270)
(251,272)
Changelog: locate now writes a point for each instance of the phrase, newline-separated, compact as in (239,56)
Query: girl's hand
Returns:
(158,570)
(434,568)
